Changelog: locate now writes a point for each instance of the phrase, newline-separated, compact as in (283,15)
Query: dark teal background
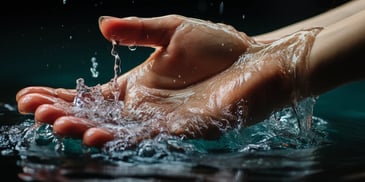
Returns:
(36,49)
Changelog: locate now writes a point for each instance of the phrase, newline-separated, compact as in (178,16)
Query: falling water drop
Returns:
(94,72)
(117,70)
(221,8)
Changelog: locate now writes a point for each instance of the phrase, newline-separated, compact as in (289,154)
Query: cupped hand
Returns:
(203,79)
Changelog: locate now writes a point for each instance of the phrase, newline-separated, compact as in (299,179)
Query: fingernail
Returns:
(103,18)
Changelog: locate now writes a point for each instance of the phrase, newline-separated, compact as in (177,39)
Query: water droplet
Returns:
(113,51)
(132,47)
(221,7)
(94,72)
(70,37)
(64,1)
(9,107)
(243,16)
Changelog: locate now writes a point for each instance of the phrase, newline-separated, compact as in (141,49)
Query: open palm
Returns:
(203,79)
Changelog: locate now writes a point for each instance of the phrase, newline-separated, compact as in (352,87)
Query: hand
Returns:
(203,79)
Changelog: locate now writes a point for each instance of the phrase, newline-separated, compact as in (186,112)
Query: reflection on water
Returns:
(277,148)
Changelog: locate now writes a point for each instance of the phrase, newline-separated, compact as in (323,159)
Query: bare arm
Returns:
(338,55)
(321,20)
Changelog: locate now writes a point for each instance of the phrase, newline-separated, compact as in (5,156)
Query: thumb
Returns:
(140,31)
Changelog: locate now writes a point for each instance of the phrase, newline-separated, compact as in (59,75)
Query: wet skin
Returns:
(194,81)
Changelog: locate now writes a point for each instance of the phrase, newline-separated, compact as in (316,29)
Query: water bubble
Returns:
(132,47)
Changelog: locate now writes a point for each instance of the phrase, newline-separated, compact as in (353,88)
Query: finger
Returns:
(48,113)
(97,137)
(65,94)
(40,90)
(70,126)
(28,103)
(140,31)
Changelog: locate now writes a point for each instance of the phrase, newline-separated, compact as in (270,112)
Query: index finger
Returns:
(140,31)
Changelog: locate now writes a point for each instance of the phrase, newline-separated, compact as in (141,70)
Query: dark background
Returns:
(51,43)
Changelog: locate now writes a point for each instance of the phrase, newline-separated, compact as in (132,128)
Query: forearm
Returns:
(322,20)
(337,55)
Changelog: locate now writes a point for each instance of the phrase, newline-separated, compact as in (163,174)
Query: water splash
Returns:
(284,129)
(292,127)
(90,103)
